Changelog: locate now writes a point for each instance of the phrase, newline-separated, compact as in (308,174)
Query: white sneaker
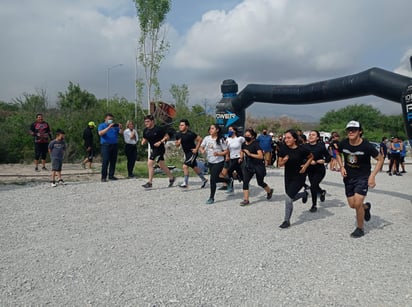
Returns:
(53,184)
(183,185)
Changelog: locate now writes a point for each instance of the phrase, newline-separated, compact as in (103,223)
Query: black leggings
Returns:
(214,170)
(316,173)
(260,172)
(235,166)
(395,158)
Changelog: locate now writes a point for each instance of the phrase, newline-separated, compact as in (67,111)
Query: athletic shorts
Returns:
(40,150)
(190,159)
(157,154)
(357,185)
(56,164)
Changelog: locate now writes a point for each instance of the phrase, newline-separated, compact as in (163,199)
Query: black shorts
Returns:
(190,159)
(40,150)
(357,185)
(157,154)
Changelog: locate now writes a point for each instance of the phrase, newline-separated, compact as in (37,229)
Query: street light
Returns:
(108,84)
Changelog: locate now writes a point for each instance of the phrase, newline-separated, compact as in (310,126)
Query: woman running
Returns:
(296,159)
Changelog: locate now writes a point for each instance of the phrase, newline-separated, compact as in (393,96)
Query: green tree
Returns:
(76,99)
(152,44)
(34,103)
(180,95)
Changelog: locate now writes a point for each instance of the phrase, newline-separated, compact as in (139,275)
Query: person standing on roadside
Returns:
(251,156)
(356,172)
(215,148)
(88,144)
(265,142)
(56,149)
(316,170)
(383,149)
(109,132)
(296,160)
(190,143)
(41,132)
(157,137)
(130,139)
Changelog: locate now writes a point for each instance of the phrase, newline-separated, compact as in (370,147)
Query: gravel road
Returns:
(115,244)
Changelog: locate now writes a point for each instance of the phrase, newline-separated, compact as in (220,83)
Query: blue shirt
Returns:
(110,137)
(265,142)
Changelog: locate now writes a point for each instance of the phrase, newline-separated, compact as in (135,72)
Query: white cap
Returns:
(353,124)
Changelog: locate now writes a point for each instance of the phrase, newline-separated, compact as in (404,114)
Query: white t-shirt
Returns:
(127,137)
(211,147)
(235,145)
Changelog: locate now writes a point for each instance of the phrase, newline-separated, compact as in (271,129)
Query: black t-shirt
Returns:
(297,157)
(88,137)
(187,140)
(358,158)
(253,148)
(154,135)
(318,151)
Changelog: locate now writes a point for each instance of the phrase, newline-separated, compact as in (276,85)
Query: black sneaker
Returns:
(357,233)
(44,168)
(323,195)
(313,209)
(203,184)
(147,185)
(269,195)
(390,174)
(103,180)
(285,224)
(113,178)
(403,172)
(36,169)
(61,181)
(305,197)
(171,181)
(398,174)
(244,203)
(368,212)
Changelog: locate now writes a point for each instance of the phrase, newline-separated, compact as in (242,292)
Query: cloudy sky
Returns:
(47,43)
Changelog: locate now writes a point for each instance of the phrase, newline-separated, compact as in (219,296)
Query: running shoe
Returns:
(244,203)
(53,184)
(203,184)
(147,185)
(285,224)
(210,201)
(269,195)
(368,212)
(36,169)
(61,182)
(305,197)
(172,181)
(313,209)
(357,233)
(223,188)
(183,185)
(44,168)
(323,195)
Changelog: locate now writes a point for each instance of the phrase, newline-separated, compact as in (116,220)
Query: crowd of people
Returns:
(230,157)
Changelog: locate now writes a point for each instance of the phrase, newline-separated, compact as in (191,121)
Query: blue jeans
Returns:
(109,156)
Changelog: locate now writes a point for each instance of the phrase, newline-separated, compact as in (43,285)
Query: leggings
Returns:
(235,166)
(395,158)
(289,205)
(316,173)
(260,176)
(215,169)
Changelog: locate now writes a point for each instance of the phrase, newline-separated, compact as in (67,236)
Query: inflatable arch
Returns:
(231,109)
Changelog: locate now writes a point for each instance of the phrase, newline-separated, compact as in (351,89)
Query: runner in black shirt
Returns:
(190,143)
(356,172)
(316,169)
(296,159)
(156,136)
(253,164)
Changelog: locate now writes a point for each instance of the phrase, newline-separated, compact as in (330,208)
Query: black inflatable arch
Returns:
(231,109)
